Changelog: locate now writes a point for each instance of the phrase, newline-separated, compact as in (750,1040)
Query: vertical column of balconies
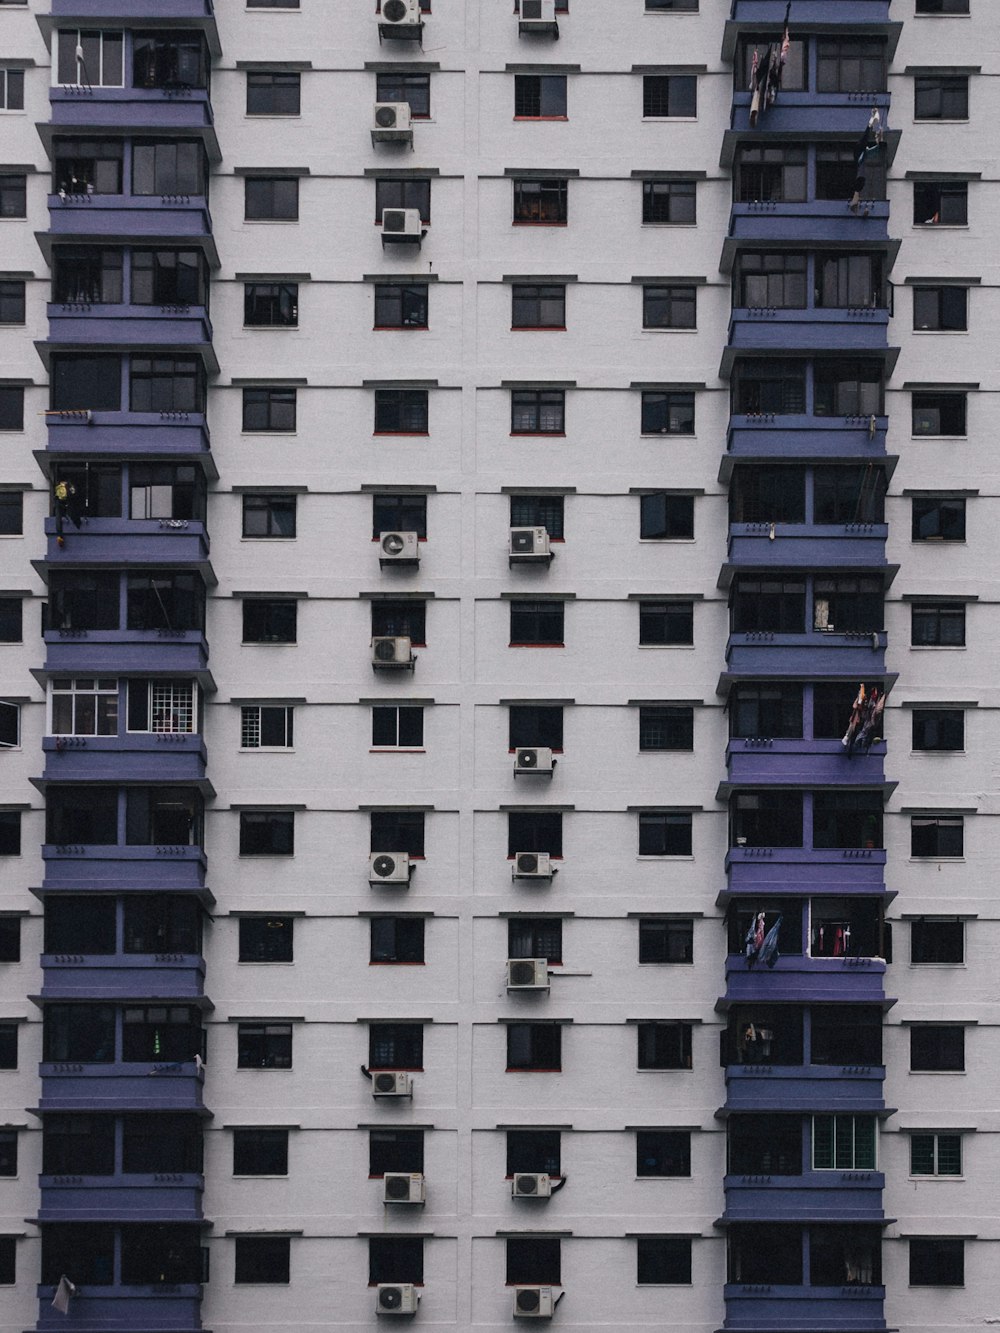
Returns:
(806,466)
(126,561)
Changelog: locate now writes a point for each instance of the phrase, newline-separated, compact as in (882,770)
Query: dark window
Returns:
(274,94)
(848,495)
(842,1036)
(937,1262)
(272,4)
(669,307)
(269,622)
(12,89)
(533,1261)
(409,192)
(267,832)
(666,727)
(847,389)
(412,88)
(938,836)
(87,1249)
(663,1260)
(534,831)
(770,281)
(396,727)
(397,939)
(843,1143)
(745,913)
(165,490)
(535,937)
(159,1143)
(663,516)
(166,384)
(538,306)
(671,6)
(537,412)
(764,1145)
(794,73)
(264,1046)
(538,511)
(401,305)
(664,1045)
(534,1046)
(397,831)
(81,815)
(161,1032)
(395,1150)
(395,1046)
(662,1152)
(78,1032)
(666,623)
(269,515)
(537,623)
(938,729)
(269,409)
(663,940)
(532,1150)
(941,97)
(260,1152)
(169,166)
(766,819)
(535,724)
(670,95)
(937,1049)
(395,1259)
(938,413)
(164,602)
(940,203)
(937,940)
(769,387)
(82,167)
(11,301)
(399,513)
(937,624)
(266,939)
(772,710)
(271,305)
(850,66)
(539,96)
(765,1253)
(401,412)
(845,281)
(941,308)
(271,199)
(772,175)
(847,819)
(161,923)
(10,619)
(408,619)
(78,1145)
(774,604)
(663,834)
(263,1259)
(935,1154)
(10,939)
(669,203)
(942,6)
(11,407)
(169,60)
(667,413)
(837,174)
(938,518)
(8,1045)
(541,201)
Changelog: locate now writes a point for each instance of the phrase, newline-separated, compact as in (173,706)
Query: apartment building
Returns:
(497,714)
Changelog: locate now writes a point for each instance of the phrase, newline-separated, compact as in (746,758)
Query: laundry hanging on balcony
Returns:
(65,1289)
(865,724)
(765,75)
(762,947)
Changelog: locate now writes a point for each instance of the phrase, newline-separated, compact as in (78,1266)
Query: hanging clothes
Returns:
(754,939)
(768,951)
(855,722)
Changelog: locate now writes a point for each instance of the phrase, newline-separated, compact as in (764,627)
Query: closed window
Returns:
(8,1045)
(260,1152)
(938,518)
(262,1260)
(170,60)
(666,940)
(669,203)
(89,58)
(406,619)
(8,1153)
(395,1259)
(272,4)
(537,412)
(937,940)
(937,1049)
(85,166)
(777,175)
(397,728)
(10,725)
(666,727)
(267,832)
(938,729)
(937,1262)
(538,306)
(415,89)
(941,97)
(269,409)
(847,819)
(395,1150)
(539,96)
(774,604)
(935,1154)
(664,516)
(535,724)
(669,307)
(271,305)
(663,1261)
(938,413)
(12,89)
(940,309)
(264,1046)
(397,831)
(399,513)
(843,1142)
(10,833)
(541,202)
(10,939)
(537,623)
(938,836)
(401,412)
(409,192)
(10,619)
(664,834)
(395,1046)
(11,407)
(271,199)
(850,66)
(538,511)
(166,384)
(13,195)
(942,6)
(166,166)
(267,621)
(669,95)
(11,299)
(534,1150)
(397,939)
(943,203)
(766,819)
(662,1152)
(273,94)
(769,387)
(534,831)
(266,726)
(937,624)
(671,6)
(771,281)
(845,281)
(667,413)
(534,1046)
(666,624)
(269,516)
(266,939)
(847,388)
(535,937)
(664,1045)
(400,305)
(773,711)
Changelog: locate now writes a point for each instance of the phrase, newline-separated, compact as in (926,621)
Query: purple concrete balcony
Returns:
(137,11)
(813,1196)
(835,871)
(177,328)
(152,1309)
(141,110)
(797,115)
(827,15)
(805,1088)
(801,438)
(131,219)
(121,542)
(166,1086)
(805,546)
(816,222)
(847,1309)
(126,652)
(801,979)
(136,756)
(819,653)
(166,1196)
(123,976)
(97,869)
(762,762)
(139,435)
(852,330)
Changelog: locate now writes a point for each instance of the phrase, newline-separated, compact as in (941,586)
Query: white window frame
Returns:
(96,76)
(177,690)
(74,691)
(936,1134)
(835,1116)
(16,708)
(246,712)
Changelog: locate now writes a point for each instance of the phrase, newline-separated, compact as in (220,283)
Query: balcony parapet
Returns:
(163,1196)
(118,868)
(122,977)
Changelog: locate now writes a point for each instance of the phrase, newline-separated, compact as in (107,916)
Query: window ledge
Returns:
(396,749)
(662,856)
(265,749)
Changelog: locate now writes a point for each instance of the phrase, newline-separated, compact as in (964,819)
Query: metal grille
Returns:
(172,706)
(250,731)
